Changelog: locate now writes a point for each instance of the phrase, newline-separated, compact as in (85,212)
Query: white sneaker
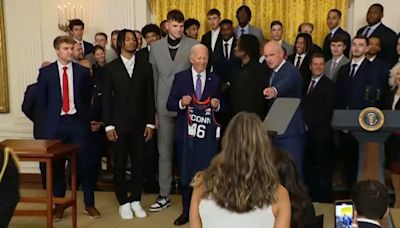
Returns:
(125,211)
(138,209)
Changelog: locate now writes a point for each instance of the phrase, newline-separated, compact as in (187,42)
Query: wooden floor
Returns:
(108,206)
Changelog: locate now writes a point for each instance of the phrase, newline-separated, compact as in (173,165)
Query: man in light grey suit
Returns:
(243,15)
(168,56)
(277,33)
(337,46)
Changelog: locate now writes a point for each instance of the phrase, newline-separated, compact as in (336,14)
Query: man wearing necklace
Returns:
(168,56)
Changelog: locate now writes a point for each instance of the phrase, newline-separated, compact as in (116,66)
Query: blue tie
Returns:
(272,78)
(198,87)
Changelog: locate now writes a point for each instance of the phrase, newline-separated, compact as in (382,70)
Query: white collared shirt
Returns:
(316,81)
(358,64)
(302,56)
(337,60)
(214,37)
(372,58)
(239,30)
(129,64)
(371,30)
(229,42)
(72,109)
(368,221)
(202,78)
(82,45)
(332,32)
(276,71)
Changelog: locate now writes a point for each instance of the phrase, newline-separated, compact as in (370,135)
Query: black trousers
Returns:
(132,145)
(9,190)
(318,167)
(151,167)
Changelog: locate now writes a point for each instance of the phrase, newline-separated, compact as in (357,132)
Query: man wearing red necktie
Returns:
(63,98)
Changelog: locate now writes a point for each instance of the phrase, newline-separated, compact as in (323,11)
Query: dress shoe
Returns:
(92,212)
(181,220)
(58,214)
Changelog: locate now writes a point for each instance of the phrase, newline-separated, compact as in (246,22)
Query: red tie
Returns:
(65,91)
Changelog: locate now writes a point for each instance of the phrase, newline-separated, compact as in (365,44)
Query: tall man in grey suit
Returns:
(243,15)
(276,34)
(338,58)
(168,56)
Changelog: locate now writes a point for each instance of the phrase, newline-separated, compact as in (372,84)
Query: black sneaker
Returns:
(160,204)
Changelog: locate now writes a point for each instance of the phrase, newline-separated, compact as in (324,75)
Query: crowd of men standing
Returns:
(131,94)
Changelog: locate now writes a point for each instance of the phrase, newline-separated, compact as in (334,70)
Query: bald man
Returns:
(286,81)
(193,83)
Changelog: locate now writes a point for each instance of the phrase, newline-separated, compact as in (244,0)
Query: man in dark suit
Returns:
(226,63)
(128,112)
(333,21)
(301,58)
(381,67)
(355,88)
(318,107)
(63,96)
(371,201)
(376,28)
(213,36)
(286,81)
(185,85)
(76,27)
(243,15)
(151,33)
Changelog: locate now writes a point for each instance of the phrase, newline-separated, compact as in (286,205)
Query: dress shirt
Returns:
(82,45)
(368,221)
(316,79)
(332,32)
(214,37)
(239,30)
(371,29)
(203,84)
(358,64)
(72,108)
(302,56)
(229,42)
(129,64)
(276,71)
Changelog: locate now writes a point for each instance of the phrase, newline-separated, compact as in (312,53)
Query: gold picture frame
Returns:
(4,99)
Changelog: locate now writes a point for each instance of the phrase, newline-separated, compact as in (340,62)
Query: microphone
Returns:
(366,94)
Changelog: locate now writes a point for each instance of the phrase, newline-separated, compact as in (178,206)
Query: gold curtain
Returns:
(290,12)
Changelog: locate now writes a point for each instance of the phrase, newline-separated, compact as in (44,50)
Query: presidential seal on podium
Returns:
(371,119)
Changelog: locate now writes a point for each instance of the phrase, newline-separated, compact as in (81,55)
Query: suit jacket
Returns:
(49,99)
(164,69)
(128,102)
(88,47)
(327,43)
(388,43)
(206,40)
(183,85)
(304,68)
(145,53)
(246,90)
(367,224)
(288,47)
(225,68)
(389,98)
(252,30)
(328,65)
(29,106)
(288,82)
(356,92)
(318,107)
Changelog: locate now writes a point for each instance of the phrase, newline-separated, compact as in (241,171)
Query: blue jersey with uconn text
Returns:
(200,142)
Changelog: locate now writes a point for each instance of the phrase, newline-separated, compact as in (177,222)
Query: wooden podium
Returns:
(371,144)
(47,151)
